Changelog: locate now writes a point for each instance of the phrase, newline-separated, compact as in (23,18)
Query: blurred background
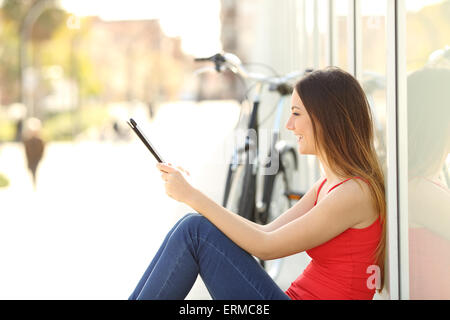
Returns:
(82,207)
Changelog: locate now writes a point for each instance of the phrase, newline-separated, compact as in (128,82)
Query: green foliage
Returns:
(59,127)
(9,63)
(90,84)
(4,182)
(13,10)
(47,24)
(7,130)
(64,125)
(63,50)
(12,14)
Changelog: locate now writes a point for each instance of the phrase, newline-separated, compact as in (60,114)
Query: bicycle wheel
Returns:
(282,183)
(241,189)
(279,203)
(226,192)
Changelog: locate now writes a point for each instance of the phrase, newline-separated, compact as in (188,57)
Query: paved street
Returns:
(100,211)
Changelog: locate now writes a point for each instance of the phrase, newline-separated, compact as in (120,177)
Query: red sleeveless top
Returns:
(340,268)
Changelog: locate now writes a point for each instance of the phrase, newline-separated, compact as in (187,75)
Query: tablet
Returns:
(144,139)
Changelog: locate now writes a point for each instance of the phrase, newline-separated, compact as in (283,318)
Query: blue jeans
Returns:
(195,246)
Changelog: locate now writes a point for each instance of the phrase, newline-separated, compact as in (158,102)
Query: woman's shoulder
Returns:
(318,183)
(361,184)
(357,191)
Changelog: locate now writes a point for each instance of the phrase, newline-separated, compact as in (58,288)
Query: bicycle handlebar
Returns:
(223,61)
(218,60)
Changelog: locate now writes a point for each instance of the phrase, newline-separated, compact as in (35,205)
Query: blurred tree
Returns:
(4,182)
(12,15)
(9,66)
(48,23)
(66,49)
(108,61)
(13,10)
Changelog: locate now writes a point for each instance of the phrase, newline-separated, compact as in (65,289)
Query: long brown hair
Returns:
(344,135)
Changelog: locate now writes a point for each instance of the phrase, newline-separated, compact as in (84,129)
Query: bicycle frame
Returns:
(273,159)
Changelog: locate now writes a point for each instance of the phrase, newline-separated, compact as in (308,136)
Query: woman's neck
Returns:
(332,177)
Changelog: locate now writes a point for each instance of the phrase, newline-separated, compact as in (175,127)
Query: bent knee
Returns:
(188,215)
(193,219)
(194,222)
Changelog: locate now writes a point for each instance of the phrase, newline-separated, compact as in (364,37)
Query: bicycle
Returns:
(281,162)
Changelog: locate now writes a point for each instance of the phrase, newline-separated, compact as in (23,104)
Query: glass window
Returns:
(341,34)
(316,25)
(323,34)
(428,108)
(373,61)
(373,64)
(309,26)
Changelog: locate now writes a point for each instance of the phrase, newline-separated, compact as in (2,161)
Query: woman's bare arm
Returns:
(337,212)
(302,206)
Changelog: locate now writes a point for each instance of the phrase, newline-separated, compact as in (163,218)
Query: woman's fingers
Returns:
(184,170)
(169,168)
(166,167)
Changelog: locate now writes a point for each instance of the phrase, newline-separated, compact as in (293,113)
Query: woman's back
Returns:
(341,267)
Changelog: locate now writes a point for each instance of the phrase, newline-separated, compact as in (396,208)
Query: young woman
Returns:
(340,222)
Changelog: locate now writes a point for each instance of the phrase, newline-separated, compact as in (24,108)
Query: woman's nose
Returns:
(289,125)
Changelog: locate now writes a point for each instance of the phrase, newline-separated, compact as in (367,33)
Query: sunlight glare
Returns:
(196,22)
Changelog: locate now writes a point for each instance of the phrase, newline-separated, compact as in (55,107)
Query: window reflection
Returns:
(428,83)
(429,196)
